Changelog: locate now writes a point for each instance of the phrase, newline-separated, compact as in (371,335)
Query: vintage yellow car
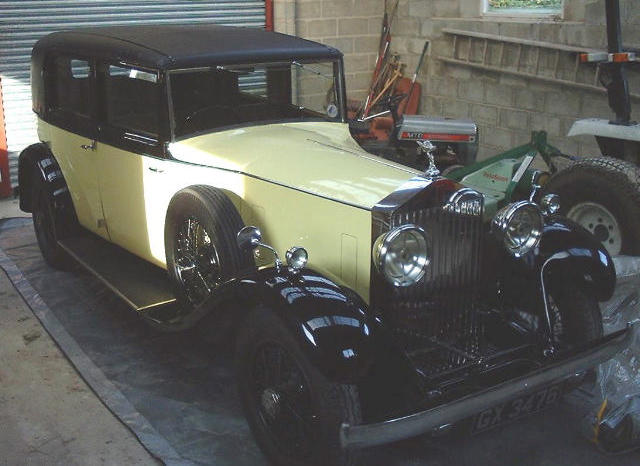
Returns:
(212,152)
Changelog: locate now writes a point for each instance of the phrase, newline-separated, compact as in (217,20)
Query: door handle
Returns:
(91,146)
(156,170)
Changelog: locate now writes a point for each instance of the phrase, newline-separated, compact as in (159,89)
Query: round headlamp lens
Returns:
(550,204)
(401,255)
(520,227)
(297,258)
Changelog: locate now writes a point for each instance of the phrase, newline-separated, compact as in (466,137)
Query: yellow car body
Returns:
(307,184)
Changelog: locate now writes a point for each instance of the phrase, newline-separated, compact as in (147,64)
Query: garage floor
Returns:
(48,415)
(177,392)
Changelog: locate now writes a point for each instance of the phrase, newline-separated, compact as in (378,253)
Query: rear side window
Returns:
(70,85)
(132,99)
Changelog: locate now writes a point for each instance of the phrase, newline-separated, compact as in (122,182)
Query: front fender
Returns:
(333,325)
(575,254)
(573,257)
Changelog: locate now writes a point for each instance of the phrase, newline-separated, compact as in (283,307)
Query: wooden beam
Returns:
(522,74)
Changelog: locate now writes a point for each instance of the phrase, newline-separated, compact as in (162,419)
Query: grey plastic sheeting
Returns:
(177,393)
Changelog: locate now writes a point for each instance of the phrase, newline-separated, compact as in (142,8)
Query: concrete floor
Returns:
(48,414)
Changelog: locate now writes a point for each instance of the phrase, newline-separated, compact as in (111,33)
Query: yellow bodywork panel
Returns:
(320,158)
(302,184)
(78,166)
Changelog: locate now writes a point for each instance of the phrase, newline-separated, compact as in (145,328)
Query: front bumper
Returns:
(415,424)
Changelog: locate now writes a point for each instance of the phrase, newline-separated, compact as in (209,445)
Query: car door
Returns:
(72,133)
(130,155)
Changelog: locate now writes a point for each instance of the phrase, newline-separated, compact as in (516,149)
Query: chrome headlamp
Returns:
(550,204)
(402,255)
(297,258)
(519,226)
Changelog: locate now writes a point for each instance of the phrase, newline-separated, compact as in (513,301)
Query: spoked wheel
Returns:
(294,411)
(200,244)
(197,264)
(281,396)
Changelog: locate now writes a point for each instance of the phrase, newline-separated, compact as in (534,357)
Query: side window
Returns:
(132,99)
(70,85)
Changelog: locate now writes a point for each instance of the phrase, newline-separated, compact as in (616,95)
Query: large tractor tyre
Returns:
(200,243)
(602,195)
(294,411)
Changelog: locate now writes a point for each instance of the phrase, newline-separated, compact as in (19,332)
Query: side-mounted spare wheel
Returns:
(602,195)
(200,243)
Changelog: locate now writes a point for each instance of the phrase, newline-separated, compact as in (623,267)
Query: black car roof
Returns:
(184,46)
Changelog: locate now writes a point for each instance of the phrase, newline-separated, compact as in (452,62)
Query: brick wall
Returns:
(352,26)
(507,108)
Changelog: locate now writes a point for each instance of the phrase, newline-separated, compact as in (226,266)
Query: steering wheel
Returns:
(392,102)
(225,115)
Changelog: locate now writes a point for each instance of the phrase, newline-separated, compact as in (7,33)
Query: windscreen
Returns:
(222,96)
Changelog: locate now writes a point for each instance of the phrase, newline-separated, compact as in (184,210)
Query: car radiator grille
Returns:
(438,320)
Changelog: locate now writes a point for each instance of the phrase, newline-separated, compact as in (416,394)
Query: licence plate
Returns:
(516,408)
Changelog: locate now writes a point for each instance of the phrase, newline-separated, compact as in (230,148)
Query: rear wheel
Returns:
(294,411)
(48,225)
(603,196)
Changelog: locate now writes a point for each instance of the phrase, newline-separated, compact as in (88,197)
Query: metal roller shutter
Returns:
(23,22)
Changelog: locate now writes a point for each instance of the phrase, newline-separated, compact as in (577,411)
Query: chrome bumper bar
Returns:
(415,424)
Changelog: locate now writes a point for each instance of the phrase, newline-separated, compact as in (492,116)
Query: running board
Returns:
(142,285)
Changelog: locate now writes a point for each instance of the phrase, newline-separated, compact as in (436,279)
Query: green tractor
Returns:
(602,194)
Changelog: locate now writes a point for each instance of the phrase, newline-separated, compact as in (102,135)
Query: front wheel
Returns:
(575,316)
(603,196)
(294,411)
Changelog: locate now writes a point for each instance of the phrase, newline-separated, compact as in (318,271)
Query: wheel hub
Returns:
(196,261)
(270,401)
(601,222)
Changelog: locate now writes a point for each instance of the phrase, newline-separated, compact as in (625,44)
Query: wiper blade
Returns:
(311,70)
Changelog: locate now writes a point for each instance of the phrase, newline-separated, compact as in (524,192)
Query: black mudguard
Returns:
(573,257)
(578,256)
(333,325)
(37,160)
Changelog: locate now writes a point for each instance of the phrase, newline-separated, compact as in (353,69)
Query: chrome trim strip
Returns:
(404,193)
(277,183)
(365,155)
(141,139)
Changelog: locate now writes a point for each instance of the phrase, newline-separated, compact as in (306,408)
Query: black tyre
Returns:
(576,316)
(200,244)
(293,410)
(49,225)
(602,195)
